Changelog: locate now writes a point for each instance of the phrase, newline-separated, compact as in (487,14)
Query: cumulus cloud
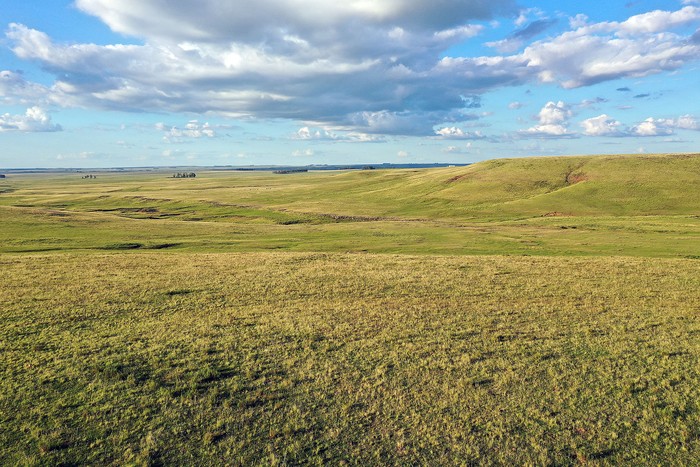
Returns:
(553,119)
(639,46)
(651,127)
(665,126)
(365,67)
(601,125)
(306,133)
(34,120)
(686,122)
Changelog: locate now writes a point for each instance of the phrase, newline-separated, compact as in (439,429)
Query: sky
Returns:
(132,83)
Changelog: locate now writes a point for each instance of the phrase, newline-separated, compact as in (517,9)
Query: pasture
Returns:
(521,311)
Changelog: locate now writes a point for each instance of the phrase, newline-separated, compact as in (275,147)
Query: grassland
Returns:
(534,311)
(632,206)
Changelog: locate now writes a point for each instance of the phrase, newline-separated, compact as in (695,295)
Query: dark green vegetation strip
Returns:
(150,357)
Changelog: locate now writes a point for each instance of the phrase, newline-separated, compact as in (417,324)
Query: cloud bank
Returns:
(373,68)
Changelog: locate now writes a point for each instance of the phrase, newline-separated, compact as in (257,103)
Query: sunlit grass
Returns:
(359,358)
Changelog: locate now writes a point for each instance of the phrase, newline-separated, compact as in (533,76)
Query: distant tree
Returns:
(2,176)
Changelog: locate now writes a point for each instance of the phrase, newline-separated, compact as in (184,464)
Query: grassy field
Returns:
(625,205)
(524,311)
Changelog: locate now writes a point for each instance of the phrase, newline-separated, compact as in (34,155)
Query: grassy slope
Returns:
(502,189)
(499,189)
(631,205)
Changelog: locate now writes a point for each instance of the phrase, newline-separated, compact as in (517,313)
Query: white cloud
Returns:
(553,118)
(303,153)
(659,21)
(665,126)
(601,125)
(192,129)
(386,122)
(515,105)
(16,90)
(650,127)
(306,133)
(578,21)
(598,52)
(326,134)
(524,15)
(547,130)
(686,122)
(363,67)
(34,120)
(458,133)
(554,113)
(462,32)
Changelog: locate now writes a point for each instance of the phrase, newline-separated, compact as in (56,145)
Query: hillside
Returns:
(582,186)
(517,188)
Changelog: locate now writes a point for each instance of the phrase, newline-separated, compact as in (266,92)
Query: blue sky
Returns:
(106,83)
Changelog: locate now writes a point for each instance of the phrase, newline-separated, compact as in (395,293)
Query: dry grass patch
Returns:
(325,358)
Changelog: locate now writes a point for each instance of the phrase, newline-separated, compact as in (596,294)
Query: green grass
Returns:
(624,205)
(520,311)
(265,358)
